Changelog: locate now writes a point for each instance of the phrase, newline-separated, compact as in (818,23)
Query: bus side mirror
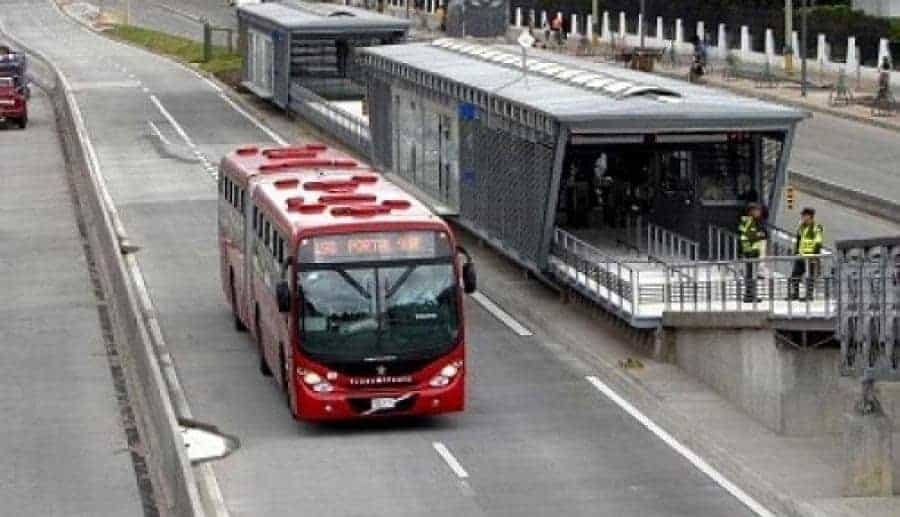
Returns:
(470,278)
(283,294)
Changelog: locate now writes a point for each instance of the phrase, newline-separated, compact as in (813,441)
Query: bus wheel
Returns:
(238,324)
(263,366)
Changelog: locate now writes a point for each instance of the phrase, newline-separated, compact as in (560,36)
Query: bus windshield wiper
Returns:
(354,284)
(400,281)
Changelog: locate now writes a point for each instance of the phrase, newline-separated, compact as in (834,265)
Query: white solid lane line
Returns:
(688,454)
(450,460)
(174,123)
(501,315)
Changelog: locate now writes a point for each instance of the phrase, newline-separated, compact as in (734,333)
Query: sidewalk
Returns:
(63,445)
(789,93)
(790,475)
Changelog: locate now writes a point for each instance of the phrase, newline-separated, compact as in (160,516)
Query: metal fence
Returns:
(774,284)
(665,244)
(351,130)
(869,308)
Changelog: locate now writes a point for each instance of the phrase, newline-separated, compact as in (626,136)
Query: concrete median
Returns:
(173,476)
(840,194)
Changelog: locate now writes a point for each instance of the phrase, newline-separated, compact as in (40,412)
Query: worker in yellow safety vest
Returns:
(752,235)
(807,247)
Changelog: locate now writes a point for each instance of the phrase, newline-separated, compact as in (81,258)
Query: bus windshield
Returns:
(379,310)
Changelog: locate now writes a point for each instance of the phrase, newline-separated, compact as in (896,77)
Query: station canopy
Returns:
(586,96)
(310,18)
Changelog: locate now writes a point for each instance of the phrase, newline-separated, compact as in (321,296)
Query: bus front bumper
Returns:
(381,403)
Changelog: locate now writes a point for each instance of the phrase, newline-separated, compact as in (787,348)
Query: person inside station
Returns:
(556,27)
(752,235)
(807,247)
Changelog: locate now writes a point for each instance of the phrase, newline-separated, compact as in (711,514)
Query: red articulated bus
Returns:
(351,288)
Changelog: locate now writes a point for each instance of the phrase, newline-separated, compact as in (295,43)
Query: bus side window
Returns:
(280,250)
(267,234)
(242,201)
(221,182)
(255,215)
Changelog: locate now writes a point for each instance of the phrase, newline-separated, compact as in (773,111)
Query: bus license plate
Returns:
(383,403)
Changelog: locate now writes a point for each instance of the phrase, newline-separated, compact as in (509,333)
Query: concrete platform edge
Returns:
(867,203)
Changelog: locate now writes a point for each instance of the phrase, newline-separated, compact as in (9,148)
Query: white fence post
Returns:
(745,40)
(544,22)
(660,35)
(589,28)
(851,55)
(622,24)
(701,31)
(604,27)
(884,51)
(770,45)
(573,29)
(679,33)
(518,16)
(723,41)
(822,50)
(795,45)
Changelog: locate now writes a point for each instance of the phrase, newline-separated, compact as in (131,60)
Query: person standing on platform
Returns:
(752,235)
(807,247)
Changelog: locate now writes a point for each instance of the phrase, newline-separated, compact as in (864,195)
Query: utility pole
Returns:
(788,32)
(803,14)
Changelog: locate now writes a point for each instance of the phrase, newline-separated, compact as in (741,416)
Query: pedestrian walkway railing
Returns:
(721,244)
(787,286)
(667,245)
(350,129)
(589,270)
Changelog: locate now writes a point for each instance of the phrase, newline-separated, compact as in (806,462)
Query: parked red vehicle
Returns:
(13,103)
(351,288)
(14,90)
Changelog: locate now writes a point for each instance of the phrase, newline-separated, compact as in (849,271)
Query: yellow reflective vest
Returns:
(751,237)
(809,239)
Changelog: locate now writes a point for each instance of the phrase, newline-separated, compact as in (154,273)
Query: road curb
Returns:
(150,369)
(852,198)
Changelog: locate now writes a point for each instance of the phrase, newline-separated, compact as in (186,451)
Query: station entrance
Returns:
(614,188)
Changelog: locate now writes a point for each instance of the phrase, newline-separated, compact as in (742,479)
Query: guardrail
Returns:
(173,476)
(775,284)
(351,130)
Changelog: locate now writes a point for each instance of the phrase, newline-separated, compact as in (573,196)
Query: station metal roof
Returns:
(588,96)
(320,17)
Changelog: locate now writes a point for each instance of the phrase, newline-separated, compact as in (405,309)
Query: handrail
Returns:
(663,243)
(722,285)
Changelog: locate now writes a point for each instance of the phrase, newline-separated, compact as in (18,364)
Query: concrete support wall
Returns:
(792,392)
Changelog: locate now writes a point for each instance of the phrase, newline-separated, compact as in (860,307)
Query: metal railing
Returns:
(589,270)
(722,244)
(666,244)
(351,130)
(778,285)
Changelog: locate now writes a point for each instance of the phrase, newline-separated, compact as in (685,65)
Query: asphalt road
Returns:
(63,448)
(537,438)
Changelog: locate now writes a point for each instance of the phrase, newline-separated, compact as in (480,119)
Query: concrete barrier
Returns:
(862,201)
(176,487)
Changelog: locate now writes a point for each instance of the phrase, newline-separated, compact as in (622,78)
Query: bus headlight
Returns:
(323,387)
(312,378)
(314,381)
(447,373)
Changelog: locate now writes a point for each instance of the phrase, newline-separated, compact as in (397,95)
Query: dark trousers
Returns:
(749,281)
(800,270)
